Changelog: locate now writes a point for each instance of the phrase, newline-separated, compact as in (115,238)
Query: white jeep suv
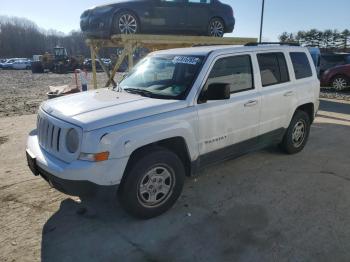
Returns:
(175,112)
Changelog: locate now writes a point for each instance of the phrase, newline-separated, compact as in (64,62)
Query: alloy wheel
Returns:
(339,83)
(216,28)
(156,186)
(298,134)
(127,24)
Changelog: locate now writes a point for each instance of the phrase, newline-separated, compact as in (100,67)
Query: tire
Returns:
(340,83)
(297,133)
(37,68)
(216,28)
(126,23)
(140,193)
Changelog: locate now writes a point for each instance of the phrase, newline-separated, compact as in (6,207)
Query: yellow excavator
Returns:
(59,62)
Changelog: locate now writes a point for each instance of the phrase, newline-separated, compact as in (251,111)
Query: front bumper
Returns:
(230,25)
(75,188)
(77,177)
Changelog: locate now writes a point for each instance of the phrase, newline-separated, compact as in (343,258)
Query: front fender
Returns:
(122,140)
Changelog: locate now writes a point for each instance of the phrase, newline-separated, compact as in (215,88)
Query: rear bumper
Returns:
(230,25)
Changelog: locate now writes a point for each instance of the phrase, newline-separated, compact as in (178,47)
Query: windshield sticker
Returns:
(186,60)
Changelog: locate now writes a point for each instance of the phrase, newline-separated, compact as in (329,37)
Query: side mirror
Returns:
(216,91)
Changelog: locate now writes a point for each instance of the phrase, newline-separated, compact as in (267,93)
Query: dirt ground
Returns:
(265,206)
(21,92)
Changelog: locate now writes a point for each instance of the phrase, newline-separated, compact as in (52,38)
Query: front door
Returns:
(228,127)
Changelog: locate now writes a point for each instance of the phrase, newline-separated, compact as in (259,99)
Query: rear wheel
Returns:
(297,133)
(339,83)
(126,23)
(216,28)
(153,184)
(37,68)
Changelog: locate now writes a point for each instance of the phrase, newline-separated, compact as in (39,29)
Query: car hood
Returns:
(345,66)
(104,107)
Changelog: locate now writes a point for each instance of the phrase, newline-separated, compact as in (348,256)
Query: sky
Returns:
(280,15)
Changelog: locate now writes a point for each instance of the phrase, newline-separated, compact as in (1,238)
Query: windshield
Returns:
(163,76)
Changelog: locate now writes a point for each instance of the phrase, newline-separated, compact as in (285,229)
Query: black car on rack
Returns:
(180,17)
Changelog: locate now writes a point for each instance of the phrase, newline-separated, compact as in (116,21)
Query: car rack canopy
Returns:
(129,43)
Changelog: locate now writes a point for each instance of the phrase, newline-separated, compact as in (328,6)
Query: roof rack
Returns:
(273,43)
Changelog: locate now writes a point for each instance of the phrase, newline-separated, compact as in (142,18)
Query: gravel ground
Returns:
(331,94)
(22,92)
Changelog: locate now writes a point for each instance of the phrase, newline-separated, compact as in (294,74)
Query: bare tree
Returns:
(19,37)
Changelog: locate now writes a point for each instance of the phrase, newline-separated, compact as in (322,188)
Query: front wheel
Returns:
(216,28)
(126,23)
(153,183)
(297,133)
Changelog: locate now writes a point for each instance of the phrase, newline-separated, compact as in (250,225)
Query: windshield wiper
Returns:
(142,92)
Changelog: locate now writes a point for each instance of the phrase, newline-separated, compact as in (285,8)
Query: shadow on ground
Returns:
(335,107)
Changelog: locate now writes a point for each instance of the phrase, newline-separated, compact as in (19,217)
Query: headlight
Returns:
(72,140)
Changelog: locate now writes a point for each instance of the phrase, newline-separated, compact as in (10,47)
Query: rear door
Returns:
(169,15)
(198,12)
(277,91)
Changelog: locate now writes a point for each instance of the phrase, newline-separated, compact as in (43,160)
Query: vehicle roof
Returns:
(205,50)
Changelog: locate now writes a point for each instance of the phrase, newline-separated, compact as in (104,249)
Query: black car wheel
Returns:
(297,133)
(339,83)
(126,23)
(153,183)
(216,28)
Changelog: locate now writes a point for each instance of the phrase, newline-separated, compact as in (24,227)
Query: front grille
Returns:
(49,135)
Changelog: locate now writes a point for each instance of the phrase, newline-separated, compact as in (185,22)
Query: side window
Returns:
(236,71)
(199,1)
(172,1)
(273,68)
(301,65)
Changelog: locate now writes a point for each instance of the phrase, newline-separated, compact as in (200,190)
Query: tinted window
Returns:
(199,1)
(301,65)
(235,71)
(173,1)
(273,68)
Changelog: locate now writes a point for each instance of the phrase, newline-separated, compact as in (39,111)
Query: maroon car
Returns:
(337,77)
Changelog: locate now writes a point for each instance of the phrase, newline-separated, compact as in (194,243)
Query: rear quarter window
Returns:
(301,65)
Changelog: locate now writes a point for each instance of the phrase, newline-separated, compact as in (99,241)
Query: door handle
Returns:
(289,93)
(251,103)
